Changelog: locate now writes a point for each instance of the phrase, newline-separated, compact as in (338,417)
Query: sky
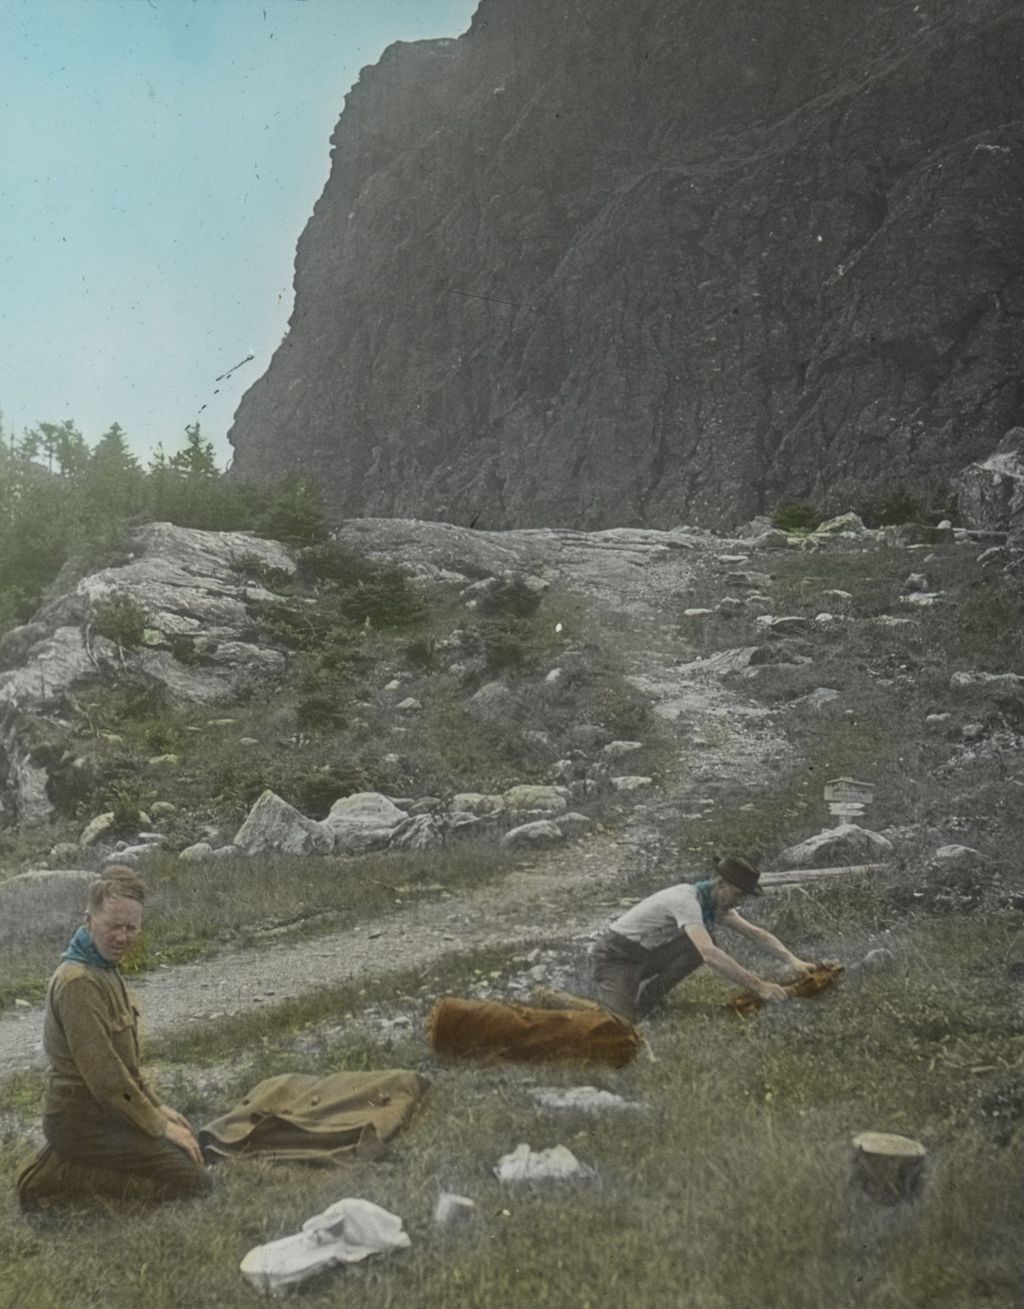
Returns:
(160,159)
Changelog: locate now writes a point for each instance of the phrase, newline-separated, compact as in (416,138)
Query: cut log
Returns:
(794,876)
(888,1168)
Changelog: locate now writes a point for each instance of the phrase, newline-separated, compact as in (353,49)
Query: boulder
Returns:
(476,803)
(956,858)
(535,800)
(844,525)
(494,702)
(787,625)
(273,826)
(49,877)
(619,749)
(572,825)
(195,854)
(986,685)
(421,832)
(539,835)
(631,783)
(990,493)
(362,822)
(97,828)
(837,846)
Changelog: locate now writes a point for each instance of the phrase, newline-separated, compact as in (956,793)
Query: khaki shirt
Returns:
(91,1038)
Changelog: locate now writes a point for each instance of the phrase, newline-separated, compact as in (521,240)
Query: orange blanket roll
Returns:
(488,1028)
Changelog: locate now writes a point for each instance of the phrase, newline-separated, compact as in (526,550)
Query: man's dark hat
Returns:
(737,872)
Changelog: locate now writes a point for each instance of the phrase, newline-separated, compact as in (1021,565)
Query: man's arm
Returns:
(764,939)
(726,966)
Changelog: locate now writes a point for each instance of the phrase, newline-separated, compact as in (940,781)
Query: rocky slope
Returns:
(597,264)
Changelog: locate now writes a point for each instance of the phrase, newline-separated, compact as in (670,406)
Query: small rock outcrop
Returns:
(846,844)
(273,826)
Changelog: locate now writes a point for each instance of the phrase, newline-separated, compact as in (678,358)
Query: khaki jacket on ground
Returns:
(306,1118)
(91,1038)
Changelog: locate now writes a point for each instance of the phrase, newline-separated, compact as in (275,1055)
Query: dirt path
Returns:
(568,894)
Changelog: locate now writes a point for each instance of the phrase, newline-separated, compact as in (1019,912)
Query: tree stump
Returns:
(888,1168)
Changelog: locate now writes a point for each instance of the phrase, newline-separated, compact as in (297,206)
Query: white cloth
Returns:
(345,1233)
(661,916)
(526,1165)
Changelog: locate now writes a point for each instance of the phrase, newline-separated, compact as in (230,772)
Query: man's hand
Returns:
(801,966)
(184,1140)
(771,993)
(173,1116)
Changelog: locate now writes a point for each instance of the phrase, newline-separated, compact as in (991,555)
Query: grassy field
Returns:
(731,1187)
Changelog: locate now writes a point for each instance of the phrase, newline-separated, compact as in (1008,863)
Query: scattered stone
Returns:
(474,802)
(410,705)
(916,582)
(838,597)
(97,828)
(361,823)
(825,620)
(419,832)
(494,701)
(573,825)
(697,613)
(273,826)
(936,721)
(631,783)
(49,876)
(844,525)
(772,540)
(195,854)
(63,851)
(132,854)
(163,808)
(837,846)
(526,1165)
(988,684)
(222,852)
(818,698)
(588,736)
(784,626)
(539,835)
(159,760)
(956,858)
(923,598)
(973,731)
(730,605)
(619,749)
(535,800)
(248,740)
(995,554)
(751,580)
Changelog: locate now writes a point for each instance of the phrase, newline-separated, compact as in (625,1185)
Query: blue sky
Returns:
(158,161)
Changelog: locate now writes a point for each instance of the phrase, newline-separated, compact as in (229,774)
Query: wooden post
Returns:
(888,1168)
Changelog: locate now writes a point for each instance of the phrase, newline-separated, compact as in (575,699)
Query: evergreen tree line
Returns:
(60,498)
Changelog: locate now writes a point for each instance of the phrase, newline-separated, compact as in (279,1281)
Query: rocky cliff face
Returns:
(596,263)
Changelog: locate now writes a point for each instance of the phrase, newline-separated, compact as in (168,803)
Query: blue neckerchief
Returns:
(82,950)
(707,905)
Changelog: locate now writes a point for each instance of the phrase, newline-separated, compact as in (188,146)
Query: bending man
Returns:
(653,946)
(108,1134)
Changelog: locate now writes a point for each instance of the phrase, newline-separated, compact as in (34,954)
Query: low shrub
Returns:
(121,620)
(796,516)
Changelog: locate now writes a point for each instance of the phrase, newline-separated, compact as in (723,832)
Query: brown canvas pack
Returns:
(488,1028)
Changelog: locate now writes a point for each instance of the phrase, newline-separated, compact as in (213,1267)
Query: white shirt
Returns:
(661,916)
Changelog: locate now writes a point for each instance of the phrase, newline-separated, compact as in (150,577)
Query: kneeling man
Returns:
(664,938)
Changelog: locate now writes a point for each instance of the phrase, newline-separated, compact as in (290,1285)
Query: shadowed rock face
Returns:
(599,263)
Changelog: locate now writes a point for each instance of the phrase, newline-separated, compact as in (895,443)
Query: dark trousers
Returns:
(632,981)
(107,1159)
